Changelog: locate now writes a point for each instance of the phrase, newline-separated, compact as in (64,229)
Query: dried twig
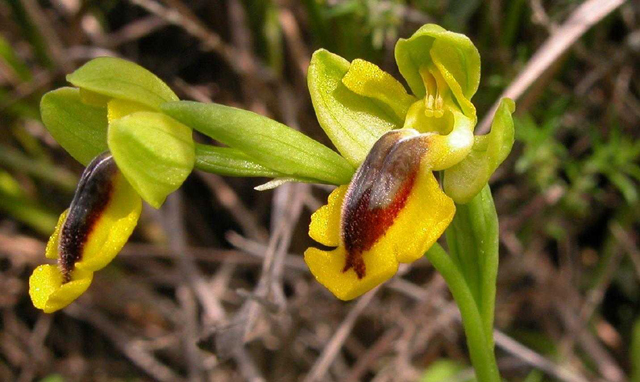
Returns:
(332,348)
(130,348)
(585,16)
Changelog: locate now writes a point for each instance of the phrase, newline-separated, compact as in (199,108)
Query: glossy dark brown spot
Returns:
(378,192)
(363,226)
(92,196)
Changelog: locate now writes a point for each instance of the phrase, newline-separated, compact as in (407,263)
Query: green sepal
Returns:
(473,241)
(353,122)
(453,54)
(228,161)
(464,180)
(267,142)
(79,128)
(154,152)
(118,78)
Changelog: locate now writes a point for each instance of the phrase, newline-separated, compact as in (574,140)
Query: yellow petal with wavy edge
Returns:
(118,108)
(51,251)
(327,268)
(367,79)
(49,294)
(113,227)
(420,223)
(325,222)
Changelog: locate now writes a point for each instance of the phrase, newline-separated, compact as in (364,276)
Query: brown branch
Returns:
(583,18)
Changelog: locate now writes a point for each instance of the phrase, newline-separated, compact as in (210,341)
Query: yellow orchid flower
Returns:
(392,212)
(112,124)
(102,216)
(394,209)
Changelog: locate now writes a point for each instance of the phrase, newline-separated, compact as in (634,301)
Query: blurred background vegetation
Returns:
(567,197)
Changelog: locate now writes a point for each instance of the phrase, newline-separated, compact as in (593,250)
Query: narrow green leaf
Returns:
(228,161)
(18,108)
(118,78)
(352,122)
(38,45)
(154,152)
(635,352)
(443,370)
(267,142)
(479,342)
(60,177)
(79,128)
(472,238)
(464,180)
(14,203)
(9,56)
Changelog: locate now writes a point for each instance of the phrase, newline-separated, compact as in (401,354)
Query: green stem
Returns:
(478,341)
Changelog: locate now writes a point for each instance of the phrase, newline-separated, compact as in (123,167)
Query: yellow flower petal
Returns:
(367,79)
(118,108)
(113,227)
(51,251)
(325,222)
(420,223)
(327,268)
(92,98)
(49,294)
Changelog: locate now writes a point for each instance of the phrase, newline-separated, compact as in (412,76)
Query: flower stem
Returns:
(478,341)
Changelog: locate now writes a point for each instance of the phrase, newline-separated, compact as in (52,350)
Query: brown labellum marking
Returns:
(378,192)
(92,196)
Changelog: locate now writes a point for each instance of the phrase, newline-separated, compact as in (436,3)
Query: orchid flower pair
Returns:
(388,208)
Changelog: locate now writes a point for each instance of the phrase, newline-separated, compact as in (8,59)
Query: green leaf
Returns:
(79,128)
(444,370)
(154,152)
(473,241)
(635,352)
(453,54)
(39,168)
(9,56)
(15,203)
(464,180)
(267,142)
(352,122)
(118,78)
(228,161)
(53,378)
(479,341)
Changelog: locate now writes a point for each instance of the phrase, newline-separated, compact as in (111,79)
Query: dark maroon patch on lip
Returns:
(92,196)
(363,226)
